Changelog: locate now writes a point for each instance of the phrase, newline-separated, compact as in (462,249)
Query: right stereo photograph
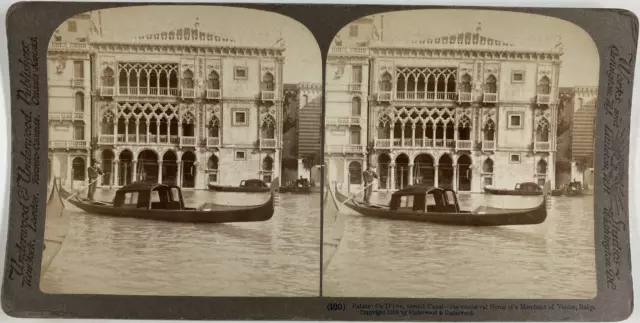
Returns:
(459,149)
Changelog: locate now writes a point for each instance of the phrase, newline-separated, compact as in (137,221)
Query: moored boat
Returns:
(437,205)
(296,189)
(521,189)
(57,224)
(246,186)
(154,201)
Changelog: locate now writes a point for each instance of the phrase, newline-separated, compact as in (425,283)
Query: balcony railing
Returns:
(465,97)
(385,96)
(68,46)
(77,82)
(490,97)
(541,146)
(343,121)
(213,141)
(421,143)
(188,93)
(344,149)
(268,143)
(66,116)
(355,87)
(543,98)
(68,144)
(213,94)
(107,91)
(426,96)
(268,95)
(143,91)
(349,50)
(464,144)
(188,141)
(488,145)
(146,139)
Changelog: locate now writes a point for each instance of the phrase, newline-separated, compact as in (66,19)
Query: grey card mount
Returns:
(319,162)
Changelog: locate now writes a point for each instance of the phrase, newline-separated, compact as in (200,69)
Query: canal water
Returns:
(383,258)
(120,256)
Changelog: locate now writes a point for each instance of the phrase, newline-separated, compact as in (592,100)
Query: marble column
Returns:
(455,177)
(435,175)
(134,172)
(392,175)
(160,172)
(410,175)
(115,172)
(69,179)
(180,174)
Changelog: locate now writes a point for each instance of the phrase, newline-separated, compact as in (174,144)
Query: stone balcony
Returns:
(214,94)
(69,46)
(77,82)
(213,141)
(343,121)
(465,97)
(541,146)
(68,144)
(66,116)
(385,96)
(358,51)
(188,141)
(107,91)
(268,143)
(355,87)
(410,143)
(344,149)
(139,139)
(187,93)
(490,97)
(543,98)
(426,96)
(143,91)
(488,145)
(268,95)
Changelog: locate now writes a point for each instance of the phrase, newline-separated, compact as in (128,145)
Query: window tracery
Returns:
(425,83)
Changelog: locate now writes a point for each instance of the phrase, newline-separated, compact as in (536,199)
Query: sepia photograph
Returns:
(459,156)
(184,154)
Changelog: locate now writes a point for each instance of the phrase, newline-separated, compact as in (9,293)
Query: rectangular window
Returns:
(517,77)
(240,73)
(357,74)
(72,26)
(78,132)
(240,118)
(355,137)
(514,158)
(514,120)
(353,31)
(78,69)
(240,155)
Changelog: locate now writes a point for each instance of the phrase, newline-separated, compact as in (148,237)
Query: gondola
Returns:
(521,189)
(424,203)
(57,224)
(296,189)
(246,186)
(558,192)
(154,201)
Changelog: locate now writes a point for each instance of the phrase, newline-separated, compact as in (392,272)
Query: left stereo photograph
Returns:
(184,147)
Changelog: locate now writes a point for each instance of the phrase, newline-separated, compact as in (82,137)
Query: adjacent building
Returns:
(461,111)
(181,106)
(69,87)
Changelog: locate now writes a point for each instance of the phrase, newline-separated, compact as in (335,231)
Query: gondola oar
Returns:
(72,195)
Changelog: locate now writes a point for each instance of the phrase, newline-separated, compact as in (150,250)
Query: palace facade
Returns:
(183,106)
(462,111)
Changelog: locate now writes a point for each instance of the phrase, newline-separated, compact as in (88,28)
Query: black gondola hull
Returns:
(487,217)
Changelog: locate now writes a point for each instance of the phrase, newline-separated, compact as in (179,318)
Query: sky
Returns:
(580,61)
(246,26)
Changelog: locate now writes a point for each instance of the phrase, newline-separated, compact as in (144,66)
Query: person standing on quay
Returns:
(94,172)
(368,175)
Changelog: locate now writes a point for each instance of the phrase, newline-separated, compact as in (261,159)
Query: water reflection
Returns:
(280,257)
(384,258)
